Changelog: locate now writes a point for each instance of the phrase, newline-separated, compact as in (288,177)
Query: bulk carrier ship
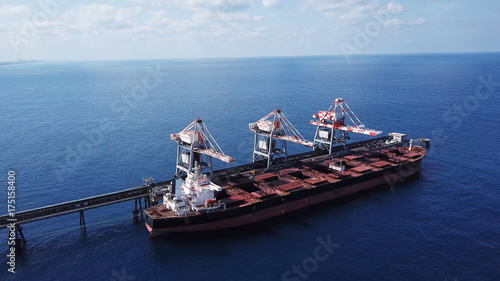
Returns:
(201,199)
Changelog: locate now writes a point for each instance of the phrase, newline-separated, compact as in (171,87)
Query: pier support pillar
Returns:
(82,218)
(20,240)
(140,206)
(135,213)
(139,210)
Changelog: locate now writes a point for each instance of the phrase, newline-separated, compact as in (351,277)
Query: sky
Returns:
(158,29)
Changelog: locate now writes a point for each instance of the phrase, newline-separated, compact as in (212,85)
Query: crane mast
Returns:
(271,134)
(197,147)
(332,127)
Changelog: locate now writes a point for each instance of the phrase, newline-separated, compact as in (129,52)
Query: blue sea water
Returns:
(75,129)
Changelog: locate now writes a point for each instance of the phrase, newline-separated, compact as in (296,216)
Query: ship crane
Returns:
(193,188)
(196,149)
(331,126)
(271,134)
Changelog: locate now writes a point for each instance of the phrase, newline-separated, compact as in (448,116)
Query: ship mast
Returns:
(271,134)
(331,127)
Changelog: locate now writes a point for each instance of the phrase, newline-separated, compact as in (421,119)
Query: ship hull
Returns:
(281,205)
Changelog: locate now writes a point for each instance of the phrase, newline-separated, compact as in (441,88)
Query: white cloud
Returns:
(261,29)
(205,22)
(393,22)
(235,17)
(277,4)
(344,9)
(350,16)
(323,5)
(257,31)
(100,19)
(394,8)
(419,21)
(114,22)
(15,11)
(197,5)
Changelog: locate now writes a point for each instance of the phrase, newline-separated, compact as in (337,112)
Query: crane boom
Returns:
(334,119)
(198,133)
(348,128)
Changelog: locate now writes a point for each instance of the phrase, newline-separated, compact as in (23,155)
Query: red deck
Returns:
(353,157)
(233,200)
(266,177)
(380,164)
(253,186)
(411,155)
(361,168)
(290,186)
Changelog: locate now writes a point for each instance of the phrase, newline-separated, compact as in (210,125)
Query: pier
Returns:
(149,192)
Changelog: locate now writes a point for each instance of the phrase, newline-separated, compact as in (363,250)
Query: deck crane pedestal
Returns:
(271,134)
(331,127)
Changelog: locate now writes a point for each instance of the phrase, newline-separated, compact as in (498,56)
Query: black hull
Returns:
(280,205)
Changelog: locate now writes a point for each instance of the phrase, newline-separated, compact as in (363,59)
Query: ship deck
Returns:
(242,187)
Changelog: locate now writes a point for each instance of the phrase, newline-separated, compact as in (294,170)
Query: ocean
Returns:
(70,130)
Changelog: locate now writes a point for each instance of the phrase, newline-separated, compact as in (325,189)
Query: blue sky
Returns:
(155,29)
